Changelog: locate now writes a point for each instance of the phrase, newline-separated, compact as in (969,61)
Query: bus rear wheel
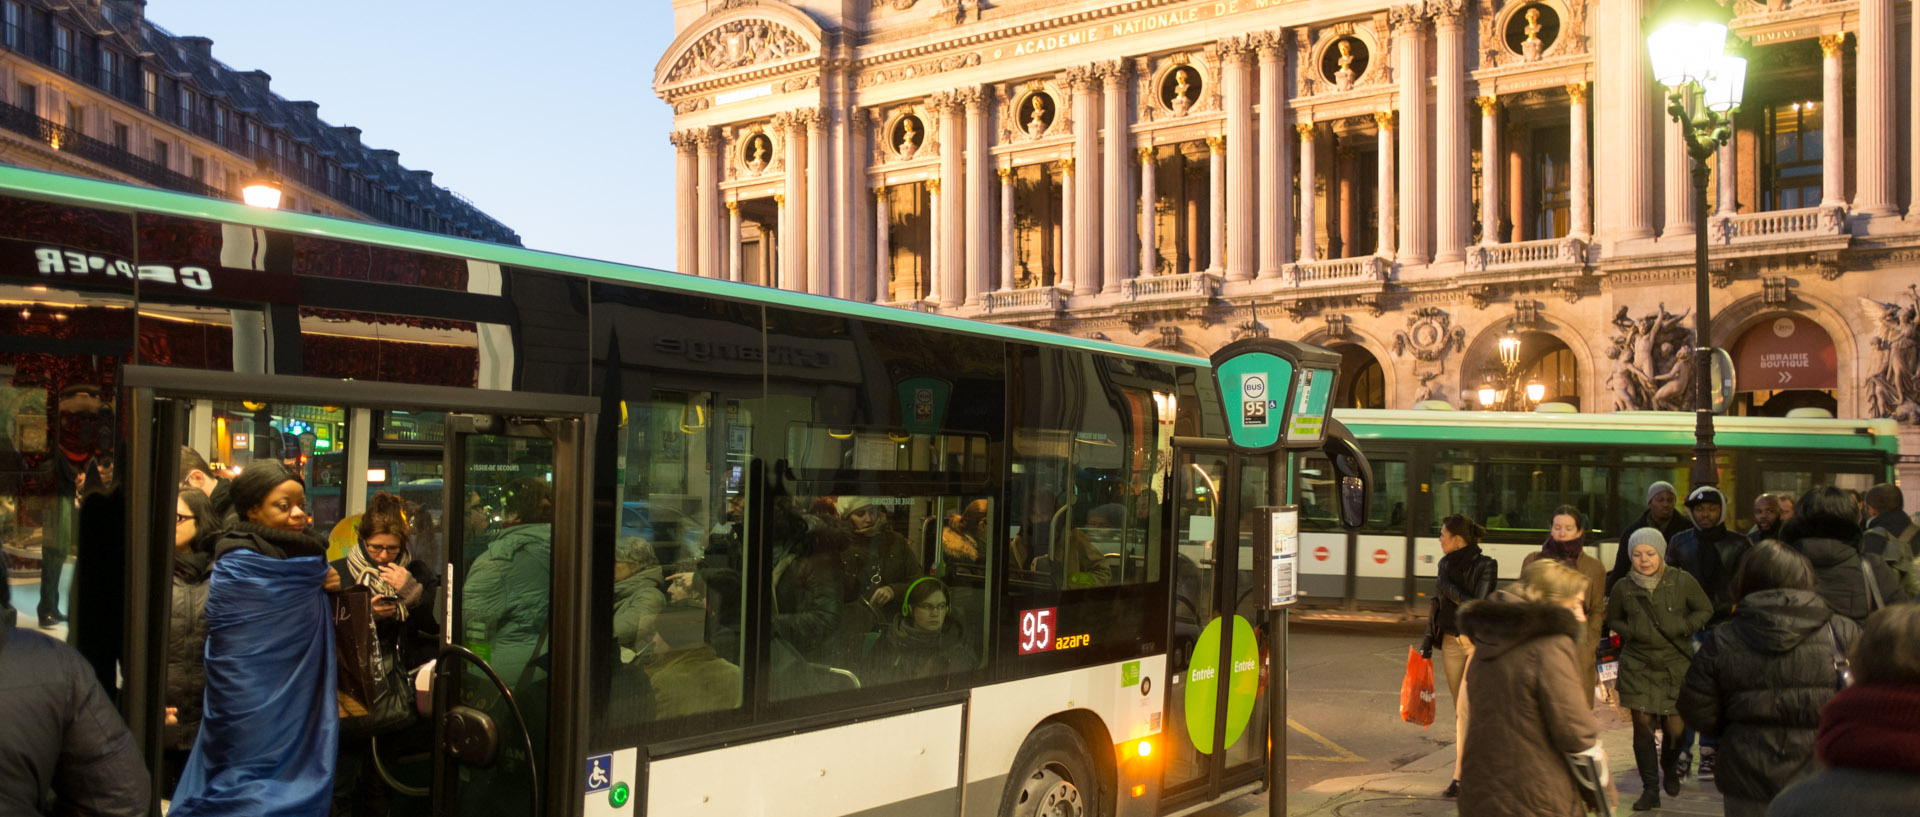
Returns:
(1052,777)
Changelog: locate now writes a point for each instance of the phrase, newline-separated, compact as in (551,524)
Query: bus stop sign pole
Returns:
(1276,395)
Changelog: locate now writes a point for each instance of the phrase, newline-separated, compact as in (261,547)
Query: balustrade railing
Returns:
(67,140)
(1195,284)
(1361,269)
(1778,224)
(1030,299)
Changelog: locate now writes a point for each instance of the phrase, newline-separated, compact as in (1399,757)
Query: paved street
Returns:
(1350,755)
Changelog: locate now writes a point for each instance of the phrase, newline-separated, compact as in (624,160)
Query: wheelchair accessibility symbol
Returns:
(599,773)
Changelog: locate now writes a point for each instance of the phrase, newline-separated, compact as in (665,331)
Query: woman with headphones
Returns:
(924,642)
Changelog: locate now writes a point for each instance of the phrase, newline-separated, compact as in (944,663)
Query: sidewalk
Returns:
(1414,789)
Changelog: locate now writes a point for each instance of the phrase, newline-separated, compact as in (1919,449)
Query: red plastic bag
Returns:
(1416,690)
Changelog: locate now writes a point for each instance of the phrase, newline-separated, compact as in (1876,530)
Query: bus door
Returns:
(1216,691)
(1382,554)
(497,548)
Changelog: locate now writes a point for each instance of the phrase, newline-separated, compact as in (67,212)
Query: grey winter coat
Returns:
(1656,630)
(1758,684)
(62,734)
(1531,707)
(637,602)
(1850,792)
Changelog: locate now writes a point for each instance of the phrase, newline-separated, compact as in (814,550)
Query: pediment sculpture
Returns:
(735,45)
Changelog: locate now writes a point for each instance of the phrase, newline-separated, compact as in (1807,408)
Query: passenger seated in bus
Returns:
(638,598)
(807,582)
(690,676)
(1049,544)
(506,595)
(879,560)
(922,641)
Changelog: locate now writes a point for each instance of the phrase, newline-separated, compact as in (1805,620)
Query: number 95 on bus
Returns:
(1036,630)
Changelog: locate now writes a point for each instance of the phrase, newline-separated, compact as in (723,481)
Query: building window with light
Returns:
(1791,156)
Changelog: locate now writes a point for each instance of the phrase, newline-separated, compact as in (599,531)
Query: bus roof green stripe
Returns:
(1619,428)
(116,196)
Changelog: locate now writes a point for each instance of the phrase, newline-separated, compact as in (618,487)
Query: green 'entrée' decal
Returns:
(1203,684)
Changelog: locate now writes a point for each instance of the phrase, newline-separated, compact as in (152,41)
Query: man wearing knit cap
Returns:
(1660,515)
(1710,553)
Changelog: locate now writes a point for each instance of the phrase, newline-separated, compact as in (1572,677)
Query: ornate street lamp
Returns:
(1502,391)
(263,190)
(1687,42)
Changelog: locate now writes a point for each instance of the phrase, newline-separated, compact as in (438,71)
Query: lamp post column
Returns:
(1833,135)
(1308,231)
(1705,470)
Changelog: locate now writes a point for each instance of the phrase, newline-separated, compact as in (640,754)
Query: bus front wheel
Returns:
(1052,777)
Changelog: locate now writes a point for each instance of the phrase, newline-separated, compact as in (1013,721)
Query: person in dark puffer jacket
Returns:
(1869,737)
(1824,528)
(1759,681)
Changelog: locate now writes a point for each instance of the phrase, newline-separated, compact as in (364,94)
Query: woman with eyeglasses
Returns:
(923,642)
(270,731)
(196,526)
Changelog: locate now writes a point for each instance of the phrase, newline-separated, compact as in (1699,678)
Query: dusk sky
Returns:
(543,116)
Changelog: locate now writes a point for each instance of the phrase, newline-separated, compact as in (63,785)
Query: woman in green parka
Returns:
(1656,612)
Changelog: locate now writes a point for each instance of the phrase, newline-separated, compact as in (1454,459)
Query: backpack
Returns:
(1897,551)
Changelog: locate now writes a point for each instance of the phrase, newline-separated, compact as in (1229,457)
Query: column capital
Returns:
(1577,91)
(1305,129)
(933,185)
(944,102)
(1271,45)
(1066,165)
(1407,19)
(974,97)
(1489,105)
(733,206)
(708,138)
(1079,77)
(1386,119)
(1235,49)
(1832,44)
(685,140)
(1447,13)
(1006,173)
(779,199)
(880,192)
(1145,152)
(858,116)
(1216,143)
(1112,72)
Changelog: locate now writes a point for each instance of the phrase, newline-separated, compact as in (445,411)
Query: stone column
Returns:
(1149,249)
(783,275)
(1385,204)
(1726,174)
(858,278)
(819,190)
(1276,160)
(841,198)
(979,164)
(1873,121)
(1454,193)
(686,180)
(709,181)
(1490,162)
(1241,260)
(1678,182)
(1416,199)
(950,282)
(1308,232)
(1217,214)
(1833,134)
(1085,243)
(733,240)
(1006,230)
(1581,192)
(1069,228)
(793,228)
(1913,129)
(1116,202)
(882,247)
(937,240)
(1629,101)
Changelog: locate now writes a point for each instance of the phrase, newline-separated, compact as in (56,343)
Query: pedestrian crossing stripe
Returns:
(1339,754)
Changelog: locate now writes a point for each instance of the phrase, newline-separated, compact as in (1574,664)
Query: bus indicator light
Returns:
(1036,630)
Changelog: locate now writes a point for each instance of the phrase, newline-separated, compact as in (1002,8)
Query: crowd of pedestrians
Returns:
(1791,650)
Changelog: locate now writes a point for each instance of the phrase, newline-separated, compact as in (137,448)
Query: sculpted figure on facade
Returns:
(1530,47)
(1036,115)
(1181,102)
(1893,382)
(734,45)
(1344,76)
(909,139)
(1652,362)
(1431,336)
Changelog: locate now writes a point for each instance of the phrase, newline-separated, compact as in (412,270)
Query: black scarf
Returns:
(1567,553)
(276,542)
(1458,565)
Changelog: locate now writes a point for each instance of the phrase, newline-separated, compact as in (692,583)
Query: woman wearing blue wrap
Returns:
(270,730)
